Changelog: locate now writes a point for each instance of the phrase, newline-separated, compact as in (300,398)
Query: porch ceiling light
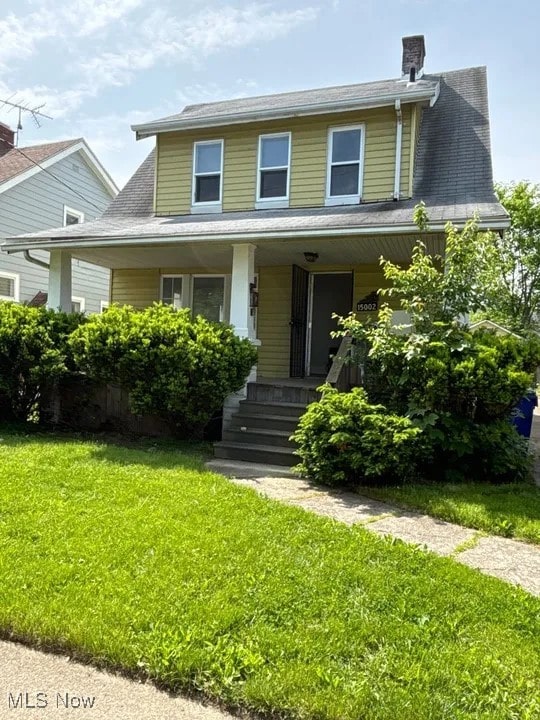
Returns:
(311,257)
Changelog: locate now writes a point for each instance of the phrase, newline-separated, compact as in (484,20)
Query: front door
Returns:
(299,305)
(330,293)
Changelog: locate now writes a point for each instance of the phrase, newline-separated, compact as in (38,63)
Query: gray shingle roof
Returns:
(301,98)
(136,199)
(453,177)
(454,152)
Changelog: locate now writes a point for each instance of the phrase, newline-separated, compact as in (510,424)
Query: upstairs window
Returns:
(171,290)
(207,173)
(345,165)
(72,217)
(273,173)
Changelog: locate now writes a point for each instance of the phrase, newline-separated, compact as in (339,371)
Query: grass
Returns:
(511,510)
(140,559)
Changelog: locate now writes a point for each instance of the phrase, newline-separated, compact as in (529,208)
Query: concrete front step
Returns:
(258,436)
(265,454)
(250,407)
(281,393)
(263,422)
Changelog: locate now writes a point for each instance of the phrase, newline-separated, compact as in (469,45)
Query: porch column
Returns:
(243,273)
(59,296)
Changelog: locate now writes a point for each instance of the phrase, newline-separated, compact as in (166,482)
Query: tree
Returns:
(512,279)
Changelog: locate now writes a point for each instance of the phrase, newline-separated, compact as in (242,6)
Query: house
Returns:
(44,186)
(272,212)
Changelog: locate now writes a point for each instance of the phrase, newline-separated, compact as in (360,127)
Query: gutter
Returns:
(35,261)
(399,137)
(143,130)
(496,223)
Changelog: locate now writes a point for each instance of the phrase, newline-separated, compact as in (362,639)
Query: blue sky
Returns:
(101,65)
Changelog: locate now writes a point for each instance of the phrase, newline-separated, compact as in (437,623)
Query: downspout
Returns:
(399,135)
(35,261)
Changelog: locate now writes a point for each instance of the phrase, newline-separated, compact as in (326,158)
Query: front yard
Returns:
(140,559)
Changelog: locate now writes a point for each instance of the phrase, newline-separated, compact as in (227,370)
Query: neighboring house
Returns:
(272,212)
(44,186)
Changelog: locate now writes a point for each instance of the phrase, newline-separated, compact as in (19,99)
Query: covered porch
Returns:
(280,294)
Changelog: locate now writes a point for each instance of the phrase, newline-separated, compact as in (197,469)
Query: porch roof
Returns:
(368,219)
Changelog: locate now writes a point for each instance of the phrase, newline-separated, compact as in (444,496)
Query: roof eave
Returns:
(144,130)
(12,245)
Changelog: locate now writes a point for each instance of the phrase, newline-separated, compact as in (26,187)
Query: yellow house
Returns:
(271,213)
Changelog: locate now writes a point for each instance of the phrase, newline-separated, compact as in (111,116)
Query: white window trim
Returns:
(103,305)
(226,311)
(71,211)
(212,205)
(344,199)
(185,278)
(16,286)
(81,301)
(275,202)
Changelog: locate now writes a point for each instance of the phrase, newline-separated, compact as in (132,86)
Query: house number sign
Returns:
(368,303)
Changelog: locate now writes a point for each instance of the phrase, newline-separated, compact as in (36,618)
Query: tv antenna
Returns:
(35,112)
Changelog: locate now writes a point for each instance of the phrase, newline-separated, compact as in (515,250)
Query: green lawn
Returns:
(508,510)
(138,558)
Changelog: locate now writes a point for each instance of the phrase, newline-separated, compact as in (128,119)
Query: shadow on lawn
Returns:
(113,447)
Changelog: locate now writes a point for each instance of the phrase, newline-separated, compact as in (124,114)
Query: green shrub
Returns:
(345,439)
(173,365)
(33,354)
(464,450)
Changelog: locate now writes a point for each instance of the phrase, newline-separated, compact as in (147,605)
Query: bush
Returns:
(478,376)
(344,439)
(173,365)
(462,450)
(33,354)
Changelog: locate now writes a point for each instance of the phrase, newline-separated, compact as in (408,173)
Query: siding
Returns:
(38,204)
(308,161)
(140,288)
(274,314)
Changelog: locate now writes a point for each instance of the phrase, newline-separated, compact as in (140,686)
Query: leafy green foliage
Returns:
(210,587)
(343,438)
(511,279)
(458,387)
(33,354)
(172,365)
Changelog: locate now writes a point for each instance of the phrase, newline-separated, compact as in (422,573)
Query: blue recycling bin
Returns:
(522,416)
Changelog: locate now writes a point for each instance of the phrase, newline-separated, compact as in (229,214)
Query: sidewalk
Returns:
(39,686)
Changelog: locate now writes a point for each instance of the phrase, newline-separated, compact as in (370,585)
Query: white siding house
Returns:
(49,186)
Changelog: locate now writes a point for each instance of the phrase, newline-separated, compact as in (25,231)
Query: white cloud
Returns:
(164,38)
(21,34)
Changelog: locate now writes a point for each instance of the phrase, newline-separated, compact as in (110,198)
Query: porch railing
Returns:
(345,372)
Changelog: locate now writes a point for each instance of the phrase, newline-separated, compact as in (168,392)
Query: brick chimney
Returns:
(414,52)
(7,139)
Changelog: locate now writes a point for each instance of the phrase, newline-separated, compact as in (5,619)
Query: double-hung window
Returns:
(207,176)
(273,172)
(171,290)
(9,286)
(345,165)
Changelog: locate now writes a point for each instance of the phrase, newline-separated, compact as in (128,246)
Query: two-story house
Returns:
(44,186)
(272,212)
